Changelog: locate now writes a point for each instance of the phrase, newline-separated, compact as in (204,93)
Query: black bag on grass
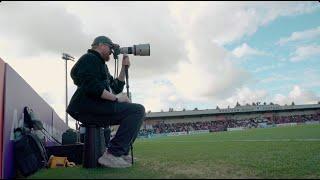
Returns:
(30,153)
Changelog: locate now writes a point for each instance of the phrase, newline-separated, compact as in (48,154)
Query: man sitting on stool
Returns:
(95,95)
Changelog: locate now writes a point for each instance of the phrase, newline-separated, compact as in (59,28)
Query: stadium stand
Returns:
(169,124)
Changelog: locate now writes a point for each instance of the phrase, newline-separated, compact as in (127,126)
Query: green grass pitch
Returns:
(284,152)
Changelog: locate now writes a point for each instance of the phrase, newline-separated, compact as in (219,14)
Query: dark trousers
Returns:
(130,117)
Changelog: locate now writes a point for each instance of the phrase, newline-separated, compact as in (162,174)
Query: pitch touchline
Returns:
(244,140)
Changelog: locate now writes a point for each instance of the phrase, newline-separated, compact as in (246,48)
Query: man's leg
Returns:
(130,117)
(107,134)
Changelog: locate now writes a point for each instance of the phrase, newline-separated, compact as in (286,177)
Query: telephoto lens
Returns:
(137,50)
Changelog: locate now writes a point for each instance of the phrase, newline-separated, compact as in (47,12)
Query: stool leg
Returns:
(131,154)
(92,147)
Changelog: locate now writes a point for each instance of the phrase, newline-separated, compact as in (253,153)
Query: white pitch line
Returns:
(244,140)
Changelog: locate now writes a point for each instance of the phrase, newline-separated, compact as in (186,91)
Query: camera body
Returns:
(137,50)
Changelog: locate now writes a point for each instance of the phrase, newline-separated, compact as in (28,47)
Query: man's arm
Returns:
(118,83)
(125,61)
(122,74)
(108,96)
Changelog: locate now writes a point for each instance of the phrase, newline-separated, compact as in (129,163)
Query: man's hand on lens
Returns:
(125,60)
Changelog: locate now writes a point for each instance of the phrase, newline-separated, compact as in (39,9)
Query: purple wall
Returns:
(19,94)
(2,72)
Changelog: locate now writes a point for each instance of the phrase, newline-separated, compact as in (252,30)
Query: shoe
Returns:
(109,160)
(128,158)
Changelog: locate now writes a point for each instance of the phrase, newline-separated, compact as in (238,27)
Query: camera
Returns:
(137,50)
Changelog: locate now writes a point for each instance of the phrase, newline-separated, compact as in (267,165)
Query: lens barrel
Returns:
(137,50)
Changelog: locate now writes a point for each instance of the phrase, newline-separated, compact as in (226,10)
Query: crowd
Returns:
(214,126)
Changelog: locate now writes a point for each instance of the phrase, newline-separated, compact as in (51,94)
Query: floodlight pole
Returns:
(67,57)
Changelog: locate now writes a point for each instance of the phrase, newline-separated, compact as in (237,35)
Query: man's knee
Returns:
(140,108)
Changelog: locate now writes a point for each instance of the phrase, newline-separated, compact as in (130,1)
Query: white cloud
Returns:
(172,98)
(162,94)
(309,34)
(46,76)
(246,50)
(39,28)
(157,94)
(155,103)
(208,69)
(71,27)
(186,40)
(245,95)
(297,95)
(305,52)
(285,8)
(207,75)
(214,19)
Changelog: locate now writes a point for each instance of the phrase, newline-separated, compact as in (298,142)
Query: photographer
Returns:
(96,95)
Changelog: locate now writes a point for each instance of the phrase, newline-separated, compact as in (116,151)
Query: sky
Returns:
(203,54)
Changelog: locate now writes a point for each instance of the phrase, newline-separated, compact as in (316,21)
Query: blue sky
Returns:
(276,60)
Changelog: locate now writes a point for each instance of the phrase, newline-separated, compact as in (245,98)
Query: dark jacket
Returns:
(91,75)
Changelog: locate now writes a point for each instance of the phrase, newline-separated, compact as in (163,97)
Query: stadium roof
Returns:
(239,109)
